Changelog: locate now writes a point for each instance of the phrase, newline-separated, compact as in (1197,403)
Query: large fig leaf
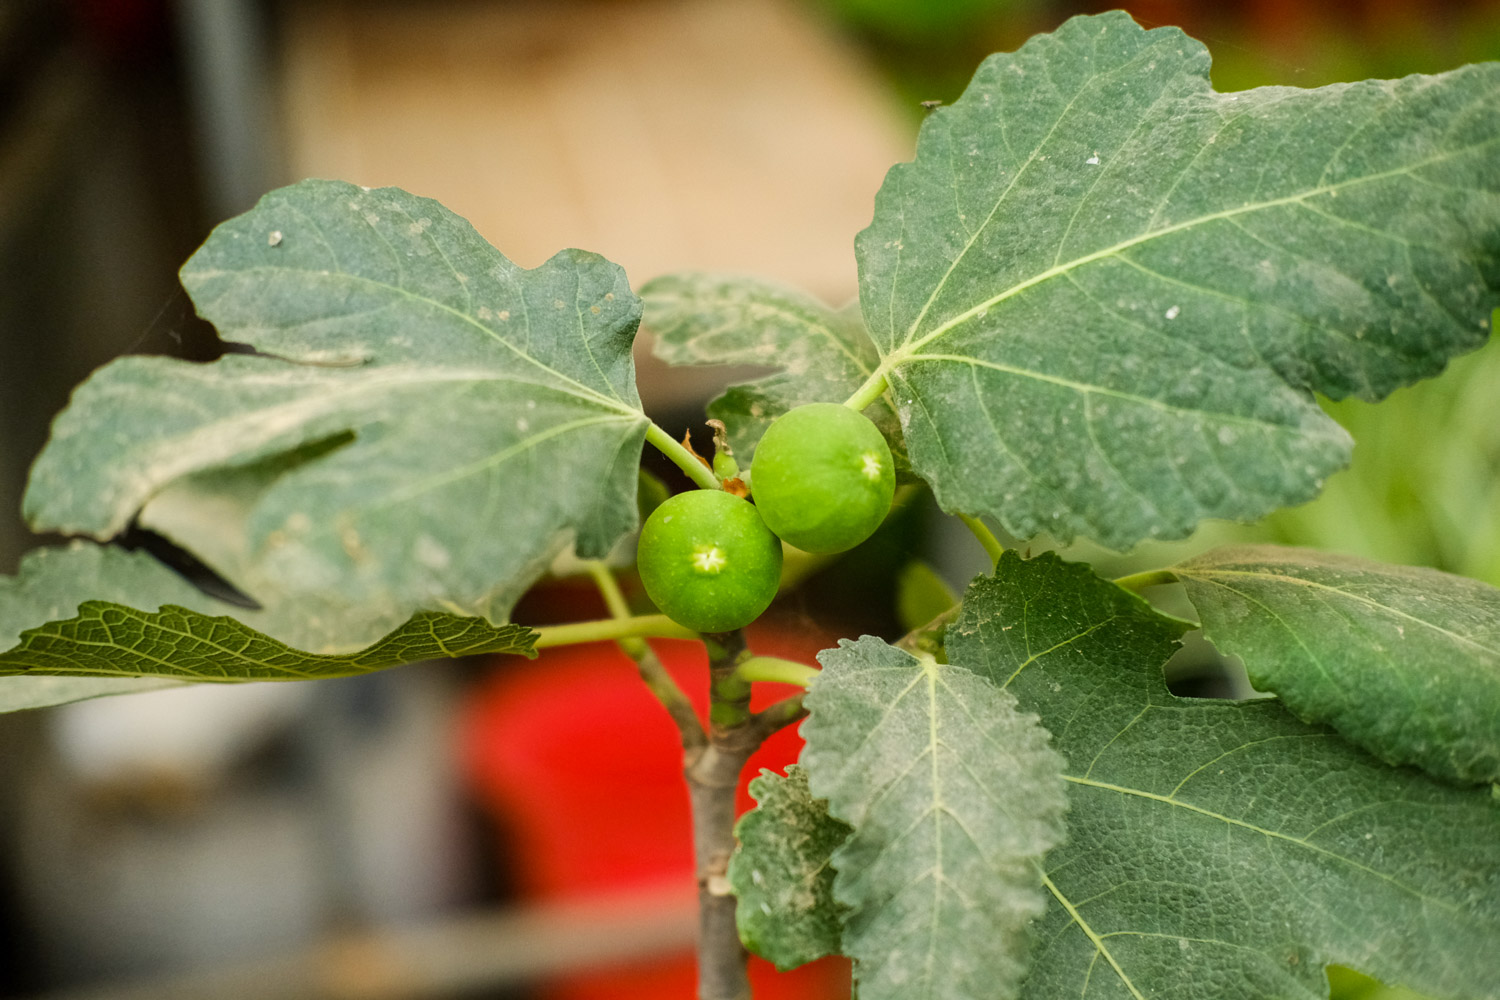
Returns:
(1217,848)
(954,799)
(1403,661)
(426,426)
(782,872)
(1104,294)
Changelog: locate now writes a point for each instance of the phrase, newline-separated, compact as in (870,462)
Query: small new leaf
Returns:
(782,872)
(1217,848)
(1403,661)
(823,354)
(954,799)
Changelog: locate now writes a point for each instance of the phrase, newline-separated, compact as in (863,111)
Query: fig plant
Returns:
(1098,304)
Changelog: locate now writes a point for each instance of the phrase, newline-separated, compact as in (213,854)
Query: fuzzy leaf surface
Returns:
(954,798)
(114,640)
(824,354)
(1403,661)
(782,872)
(1104,294)
(1218,848)
(426,425)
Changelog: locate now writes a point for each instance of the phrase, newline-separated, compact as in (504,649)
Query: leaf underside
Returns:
(823,354)
(427,424)
(1403,661)
(112,640)
(782,872)
(1103,293)
(1223,843)
(954,799)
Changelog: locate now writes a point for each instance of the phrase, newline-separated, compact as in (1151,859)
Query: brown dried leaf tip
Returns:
(687,442)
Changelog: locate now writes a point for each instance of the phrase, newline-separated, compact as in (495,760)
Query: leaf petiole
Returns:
(1138,582)
(776,671)
(636,626)
(682,458)
(986,537)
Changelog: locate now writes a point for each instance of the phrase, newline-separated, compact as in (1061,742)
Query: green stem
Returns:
(640,626)
(609,589)
(981,531)
(648,664)
(777,671)
(866,394)
(684,459)
(1150,578)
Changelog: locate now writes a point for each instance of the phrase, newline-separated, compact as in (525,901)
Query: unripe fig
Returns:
(823,477)
(708,561)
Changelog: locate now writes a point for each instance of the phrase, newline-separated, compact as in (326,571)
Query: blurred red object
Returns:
(582,768)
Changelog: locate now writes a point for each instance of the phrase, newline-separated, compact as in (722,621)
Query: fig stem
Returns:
(648,664)
(776,671)
(866,394)
(682,458)
(639,626)
(986,537)
(1149,578)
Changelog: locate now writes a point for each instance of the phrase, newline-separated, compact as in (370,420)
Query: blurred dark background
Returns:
(251,845)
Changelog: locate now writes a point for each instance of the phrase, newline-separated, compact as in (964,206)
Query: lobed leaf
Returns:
(1104,294)
(954,799)
(1216,848)
(782,872)
(1401,660)
(823,354)
(426,424)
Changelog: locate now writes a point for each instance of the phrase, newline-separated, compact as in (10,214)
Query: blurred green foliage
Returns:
(1424,486)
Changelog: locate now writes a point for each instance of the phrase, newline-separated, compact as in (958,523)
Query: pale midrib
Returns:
(911,346)
(578,387)
(490,461)
(178,456)
(1099,390)
(1272,834)
(929,673)
(1088,931)
(1207,575)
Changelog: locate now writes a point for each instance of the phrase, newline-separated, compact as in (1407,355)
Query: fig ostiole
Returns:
(708,561)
